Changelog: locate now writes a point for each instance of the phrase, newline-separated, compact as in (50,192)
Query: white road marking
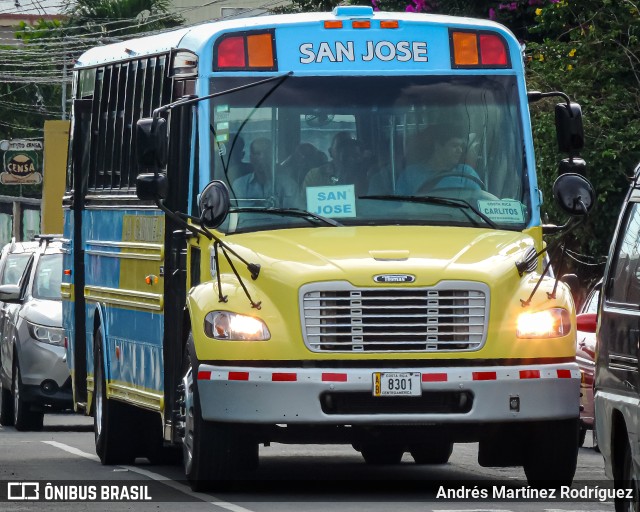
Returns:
(154,476)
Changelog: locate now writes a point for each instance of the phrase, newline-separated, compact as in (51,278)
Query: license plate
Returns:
(397,384)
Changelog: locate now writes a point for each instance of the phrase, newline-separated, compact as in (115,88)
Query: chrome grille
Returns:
(442,318)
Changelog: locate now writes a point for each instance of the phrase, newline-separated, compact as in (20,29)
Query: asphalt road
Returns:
(291,478)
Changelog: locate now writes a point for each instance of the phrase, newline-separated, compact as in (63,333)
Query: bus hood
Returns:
(358,254)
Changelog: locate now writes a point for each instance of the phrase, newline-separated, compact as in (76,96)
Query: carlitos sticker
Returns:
(332,201)
(503,211)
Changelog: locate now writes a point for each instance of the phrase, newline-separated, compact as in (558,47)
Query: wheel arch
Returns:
(619,441)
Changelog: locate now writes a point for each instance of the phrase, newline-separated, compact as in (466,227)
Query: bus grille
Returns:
(395,320)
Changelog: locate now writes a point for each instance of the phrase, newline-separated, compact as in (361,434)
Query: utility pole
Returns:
(64,85)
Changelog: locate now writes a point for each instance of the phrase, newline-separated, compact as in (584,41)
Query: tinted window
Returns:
(48,277)
(16,264)
(624,276)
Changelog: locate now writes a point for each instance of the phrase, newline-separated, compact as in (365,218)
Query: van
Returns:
(617,394)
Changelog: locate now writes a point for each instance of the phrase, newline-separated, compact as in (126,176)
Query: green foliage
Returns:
(590,50)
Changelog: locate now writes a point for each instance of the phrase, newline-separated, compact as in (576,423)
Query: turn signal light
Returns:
(471,49)
(246,51)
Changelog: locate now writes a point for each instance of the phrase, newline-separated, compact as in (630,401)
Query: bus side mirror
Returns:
(214,204)
(150,187)
(574,194)
(569,127)
(151,143)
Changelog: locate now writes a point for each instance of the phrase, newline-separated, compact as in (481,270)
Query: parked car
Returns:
(34,376)
(585,357)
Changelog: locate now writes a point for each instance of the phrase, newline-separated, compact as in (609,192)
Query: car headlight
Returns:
(224,325)
(44,334)
(550,323)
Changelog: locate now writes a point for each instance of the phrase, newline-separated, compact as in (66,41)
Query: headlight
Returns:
(224,325)
(51,335)
(550,323)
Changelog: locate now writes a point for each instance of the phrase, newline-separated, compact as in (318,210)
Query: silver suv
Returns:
(34,376)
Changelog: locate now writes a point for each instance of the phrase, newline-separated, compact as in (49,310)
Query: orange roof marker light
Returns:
(245,51)
(389,24)
(333,24)
(361,24)
(478,49)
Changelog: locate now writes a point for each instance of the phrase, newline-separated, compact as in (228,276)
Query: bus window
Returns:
(395,127)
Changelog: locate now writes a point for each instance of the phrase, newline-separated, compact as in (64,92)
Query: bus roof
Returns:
(196,37)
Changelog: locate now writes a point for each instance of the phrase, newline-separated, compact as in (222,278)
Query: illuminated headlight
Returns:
(550,323)
(224,325)
(51,335)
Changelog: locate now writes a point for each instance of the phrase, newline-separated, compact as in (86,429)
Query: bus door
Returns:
(74,306)
(182,151)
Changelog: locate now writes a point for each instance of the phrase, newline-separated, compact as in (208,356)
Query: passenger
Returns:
(258,188)
(442,168)
(345,167)
(304,158)
(236,168)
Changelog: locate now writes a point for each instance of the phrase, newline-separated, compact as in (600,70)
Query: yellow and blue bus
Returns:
(318,228)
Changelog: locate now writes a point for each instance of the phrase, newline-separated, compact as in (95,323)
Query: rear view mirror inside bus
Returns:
(151,143)
(151,187)
(214,204)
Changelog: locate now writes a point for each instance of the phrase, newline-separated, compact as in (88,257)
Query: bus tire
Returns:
(431,453)
(551,453)
(215,454)
(6,406)
(110,424)
(24,419)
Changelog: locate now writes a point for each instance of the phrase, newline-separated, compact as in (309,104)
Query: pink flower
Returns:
(492,14)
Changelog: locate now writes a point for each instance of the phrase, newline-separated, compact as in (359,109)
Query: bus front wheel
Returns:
(215,454)
(551,453)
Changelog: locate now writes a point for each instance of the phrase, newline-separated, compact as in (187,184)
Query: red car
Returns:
(585,357)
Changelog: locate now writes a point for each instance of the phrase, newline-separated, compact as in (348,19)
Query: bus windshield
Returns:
(370,150)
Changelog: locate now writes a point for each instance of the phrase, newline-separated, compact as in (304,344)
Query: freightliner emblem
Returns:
(394,278)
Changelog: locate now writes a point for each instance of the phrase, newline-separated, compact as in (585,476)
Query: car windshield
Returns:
(16,263)
(47,281)
(360,149)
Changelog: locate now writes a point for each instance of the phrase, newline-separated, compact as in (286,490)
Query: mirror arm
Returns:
(534,96)
(256,305)
(189,100)
(552,295)
(221,298)
(181,221)
(526,303)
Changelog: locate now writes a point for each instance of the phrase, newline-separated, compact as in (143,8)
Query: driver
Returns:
(442,167)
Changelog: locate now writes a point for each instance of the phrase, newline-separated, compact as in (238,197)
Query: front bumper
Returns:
(449,395)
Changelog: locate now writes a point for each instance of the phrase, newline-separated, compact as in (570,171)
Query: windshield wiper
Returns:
(445,201)
(290,212)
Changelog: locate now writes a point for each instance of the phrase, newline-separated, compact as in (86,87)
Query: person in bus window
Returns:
(236,168)
(258,188)
(344,168)
(304,158)
(442,167)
